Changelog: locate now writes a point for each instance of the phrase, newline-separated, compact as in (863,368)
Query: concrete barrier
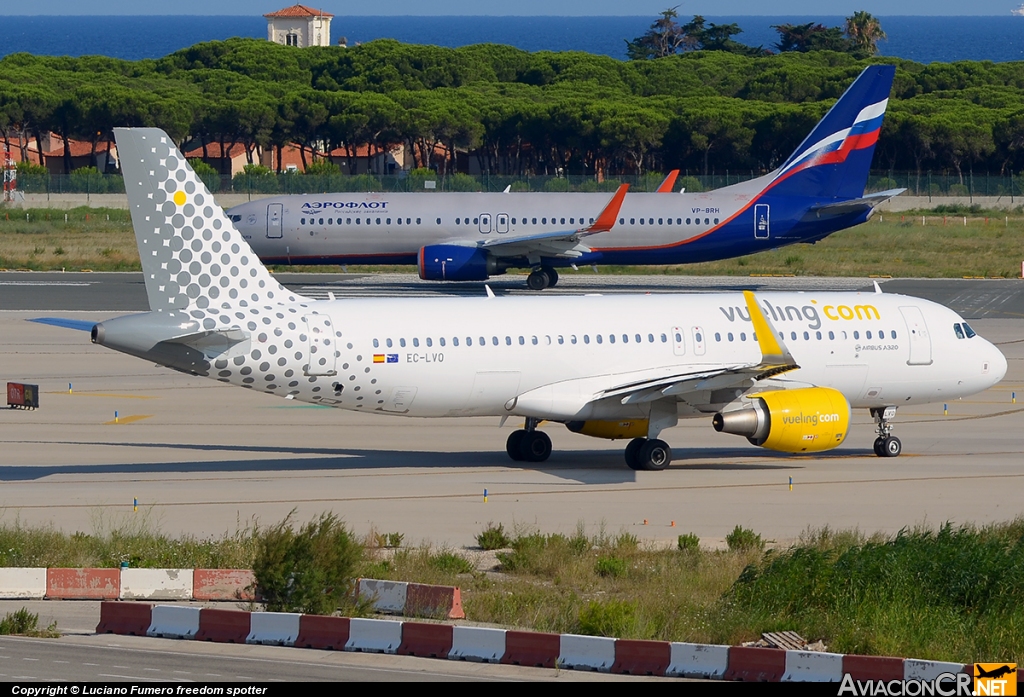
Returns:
(83,584)
(386,596)
(125,618)
(586,652)
(223,626)
(441,602)
(481,644)
(316,632)
(156,584)
(532,649)
(813,666)
(174,622)
(274,628)
(752,664)
(634,657)
(374,636)
(22,583)
(223,584)
(915,669)
(426,640)
(698,660)
(873,667)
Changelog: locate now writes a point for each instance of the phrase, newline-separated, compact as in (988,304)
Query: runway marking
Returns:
(538,492)
(126,677)
(101,394)
(127,419)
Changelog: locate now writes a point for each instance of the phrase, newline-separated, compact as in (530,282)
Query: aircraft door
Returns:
(501,222)
(321,345)
(274,213)
(761,221)
(698,340)
(485,223)
(678,341)
(920,342)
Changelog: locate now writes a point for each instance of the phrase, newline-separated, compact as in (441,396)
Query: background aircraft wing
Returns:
(559,243)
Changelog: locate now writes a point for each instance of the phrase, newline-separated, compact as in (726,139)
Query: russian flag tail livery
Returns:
(834,160)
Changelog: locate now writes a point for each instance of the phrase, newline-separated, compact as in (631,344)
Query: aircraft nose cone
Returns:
(997,365)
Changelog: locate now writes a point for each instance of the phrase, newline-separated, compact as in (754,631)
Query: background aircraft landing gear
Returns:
(652,455)
(529,444)
(541,278)
(886,444)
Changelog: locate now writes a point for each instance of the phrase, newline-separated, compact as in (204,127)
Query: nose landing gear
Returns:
(886,444)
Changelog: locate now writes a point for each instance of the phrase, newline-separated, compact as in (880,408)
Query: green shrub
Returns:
(556,185)
(255,178)
(493,537)
(612,618)
(688,542)
(462,182)
(609,566)
(307,571)
(451,563)
(322,168)
(209,175)
(25,623)
(742,539)
(88,180)
(690,184)
(32,178)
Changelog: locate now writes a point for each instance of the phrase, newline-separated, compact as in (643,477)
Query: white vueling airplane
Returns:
(781,369)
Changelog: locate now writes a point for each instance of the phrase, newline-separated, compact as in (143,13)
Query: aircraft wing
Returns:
(567,400)
(857,205)
(559,243)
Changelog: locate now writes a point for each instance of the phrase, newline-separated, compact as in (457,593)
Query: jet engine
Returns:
(808,419)
(452,262)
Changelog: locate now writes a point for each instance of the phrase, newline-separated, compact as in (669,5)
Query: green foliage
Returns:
(493,537)
(688,543)
(24,623)
(321,168)
(611,566)
(207,173)
(32,178)
(451,563)
(743,539)
(611,618)
(256,179)
(309,570)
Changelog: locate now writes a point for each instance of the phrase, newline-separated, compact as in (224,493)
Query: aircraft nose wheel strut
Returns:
(886,444)
(529,444)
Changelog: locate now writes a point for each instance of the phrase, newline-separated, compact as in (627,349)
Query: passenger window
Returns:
(483,341)
(807,337)
(793,335)
(494,340)
(600,340)
(544,221)
(429,342)
(660,221)
(730,336)
(441,341)
(572,339)
(547,339)
(893,333)
(687,221)
(303,221)
(586,338)
(650,338)
(389,343)
(508,341)
(534,221)
(831,336)
(455,341)
(376,344)
(348,221)
(867,334)
(718,337)
(388,221)
(563,222)
(401,342)
(679,338)
(639,339)
(664,339)
(817,335)
(716,221)
(611,338)
(743,336)
(561,339)
(622,221)
(533,340)
(959,331)
(416,343)
(458,221)
(513,221)
(632,221)
(469,341)
(856,335)
(641,221)
(522,341)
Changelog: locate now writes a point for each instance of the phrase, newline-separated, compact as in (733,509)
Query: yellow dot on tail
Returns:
(179,198)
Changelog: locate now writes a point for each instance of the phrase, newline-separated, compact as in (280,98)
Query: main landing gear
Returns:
(529,444)
(648,454)
(886,445)
(542,277)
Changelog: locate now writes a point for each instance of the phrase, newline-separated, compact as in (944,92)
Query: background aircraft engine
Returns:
(612,430)
(809,419)
(451,262)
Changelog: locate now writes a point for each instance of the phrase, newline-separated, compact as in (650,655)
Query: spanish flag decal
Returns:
(378,358)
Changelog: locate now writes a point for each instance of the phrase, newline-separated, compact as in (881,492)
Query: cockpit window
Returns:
(235,218)
(959,331)
(970,332)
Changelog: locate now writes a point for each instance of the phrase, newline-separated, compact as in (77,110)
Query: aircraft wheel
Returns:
(535,446)
(512,445)
(552,276)
(655,455)
(892,447)
(633,451)
(538,280)
(879,447)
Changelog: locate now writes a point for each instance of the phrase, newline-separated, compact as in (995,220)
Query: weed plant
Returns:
(24,623)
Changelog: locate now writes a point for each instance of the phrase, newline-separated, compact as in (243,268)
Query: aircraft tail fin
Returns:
(834,160)
(192,256)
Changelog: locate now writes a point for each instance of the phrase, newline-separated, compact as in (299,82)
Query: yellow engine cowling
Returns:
(612,430)
(804,420)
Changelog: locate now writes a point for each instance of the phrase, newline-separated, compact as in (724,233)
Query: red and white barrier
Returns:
(276,628)
(586,652)
(698,660)
(883,668)
(174,622)
(133,619)
(23,583)
(316,632)
(412,599)
(156,584)
(481,644)
(914,669)
(374,636)
(753,664)
(813,666)
(223,626)
(223,584)
(537,649)
(633,657)
(82,584)
(426,640)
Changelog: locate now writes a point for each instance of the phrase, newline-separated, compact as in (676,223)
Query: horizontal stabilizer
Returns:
(82,325)
(857,205)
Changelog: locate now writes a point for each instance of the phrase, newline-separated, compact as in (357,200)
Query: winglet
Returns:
(773,350)
(606,220)
(670,181)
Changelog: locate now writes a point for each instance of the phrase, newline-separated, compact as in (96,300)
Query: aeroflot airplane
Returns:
(783,370)
(472,236)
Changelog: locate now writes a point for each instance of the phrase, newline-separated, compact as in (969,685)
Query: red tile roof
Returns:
(79,148)
(299,11)
(214,151)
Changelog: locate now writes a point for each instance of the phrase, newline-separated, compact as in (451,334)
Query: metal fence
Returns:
(939,184)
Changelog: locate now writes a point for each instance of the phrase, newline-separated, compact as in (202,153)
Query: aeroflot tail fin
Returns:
(833,161)
(191,254)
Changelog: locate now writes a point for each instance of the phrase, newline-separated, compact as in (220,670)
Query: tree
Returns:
(811,37)
(864,31)
(664,38)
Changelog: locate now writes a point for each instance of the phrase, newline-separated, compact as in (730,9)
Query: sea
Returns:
(921,39)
